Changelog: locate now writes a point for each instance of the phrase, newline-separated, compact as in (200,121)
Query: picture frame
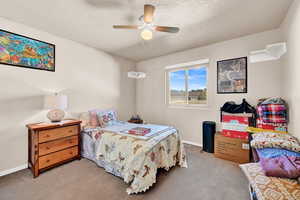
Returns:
(232,77)
(22,51)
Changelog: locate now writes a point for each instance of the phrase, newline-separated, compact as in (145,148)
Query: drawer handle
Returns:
(47,148)
(70,141)
(47,161)
(47,135)
(70,131)
(71,153)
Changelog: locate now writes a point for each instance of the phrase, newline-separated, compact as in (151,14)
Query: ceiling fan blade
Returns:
(167,29)
(125,26)
(148,13)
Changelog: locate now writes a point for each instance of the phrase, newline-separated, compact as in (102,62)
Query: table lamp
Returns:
(57,104)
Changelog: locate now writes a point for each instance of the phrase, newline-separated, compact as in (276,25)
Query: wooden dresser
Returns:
(50,145)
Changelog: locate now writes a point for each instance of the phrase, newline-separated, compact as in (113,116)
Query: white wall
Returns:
(90,78)
(291,66)
(264,80)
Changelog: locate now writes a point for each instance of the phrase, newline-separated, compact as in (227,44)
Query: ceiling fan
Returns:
(148,27)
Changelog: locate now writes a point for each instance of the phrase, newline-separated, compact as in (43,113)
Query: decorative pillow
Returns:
(94,122)
(275,140)
(107,118)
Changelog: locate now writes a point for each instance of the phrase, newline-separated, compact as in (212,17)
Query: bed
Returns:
(134,159)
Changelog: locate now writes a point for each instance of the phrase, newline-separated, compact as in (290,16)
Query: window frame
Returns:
(186,67)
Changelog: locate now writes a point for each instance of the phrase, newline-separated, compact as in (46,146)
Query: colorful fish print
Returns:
(22,51)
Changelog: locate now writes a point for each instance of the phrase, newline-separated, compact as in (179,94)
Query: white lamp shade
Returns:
(56,102)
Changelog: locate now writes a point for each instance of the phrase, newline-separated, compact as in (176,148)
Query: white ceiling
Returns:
(201,22)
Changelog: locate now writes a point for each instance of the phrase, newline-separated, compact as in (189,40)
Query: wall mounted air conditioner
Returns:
(271,52)
(136,75)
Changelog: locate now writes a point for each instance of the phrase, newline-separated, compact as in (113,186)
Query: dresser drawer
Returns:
(53,134)
(56,145)
(51,159)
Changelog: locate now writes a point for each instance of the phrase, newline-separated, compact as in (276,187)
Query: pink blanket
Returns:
(284,166)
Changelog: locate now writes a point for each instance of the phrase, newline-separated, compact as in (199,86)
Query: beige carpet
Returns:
(207,178)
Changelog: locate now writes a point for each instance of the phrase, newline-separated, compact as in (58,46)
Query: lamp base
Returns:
(56,115)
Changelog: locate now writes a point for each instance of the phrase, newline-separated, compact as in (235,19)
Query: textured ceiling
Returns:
(202,22)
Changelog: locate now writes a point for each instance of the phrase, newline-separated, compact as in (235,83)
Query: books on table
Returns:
(139,131)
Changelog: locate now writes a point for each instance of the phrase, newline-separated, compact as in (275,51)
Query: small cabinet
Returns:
(52,144)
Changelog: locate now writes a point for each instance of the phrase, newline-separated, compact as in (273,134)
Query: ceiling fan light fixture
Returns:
(146,34)
(147,27)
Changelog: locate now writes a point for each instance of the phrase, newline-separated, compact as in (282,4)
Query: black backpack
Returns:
(244,107)
(232,107)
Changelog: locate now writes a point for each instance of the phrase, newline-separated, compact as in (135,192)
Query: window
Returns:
(187,86)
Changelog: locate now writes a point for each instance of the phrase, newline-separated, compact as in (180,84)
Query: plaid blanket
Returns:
(272,113)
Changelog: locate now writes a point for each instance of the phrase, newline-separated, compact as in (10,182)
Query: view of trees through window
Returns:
(188,86)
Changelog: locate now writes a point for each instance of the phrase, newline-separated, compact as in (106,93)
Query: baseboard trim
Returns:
(10,171)
(192,143)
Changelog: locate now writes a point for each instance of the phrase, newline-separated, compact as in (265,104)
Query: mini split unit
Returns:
(271,52)
(136,75)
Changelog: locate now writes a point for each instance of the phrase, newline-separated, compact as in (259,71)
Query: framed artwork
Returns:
(232,76)
(21,51)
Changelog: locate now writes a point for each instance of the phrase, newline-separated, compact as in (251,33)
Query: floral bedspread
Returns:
(138,160)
